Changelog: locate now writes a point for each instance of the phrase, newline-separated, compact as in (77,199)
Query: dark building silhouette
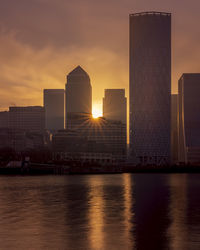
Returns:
(174,128)
(114,105)
(20,140)
(150,87)
(31,118)
(54,109)
(98,140)
(189,118)
(112,134)
(78,98)
(105,139)
(69,145)
(4,115)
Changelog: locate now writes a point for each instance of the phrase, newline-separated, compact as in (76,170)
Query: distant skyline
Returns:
(43,40)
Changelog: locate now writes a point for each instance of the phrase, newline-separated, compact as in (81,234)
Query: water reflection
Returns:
(178,210)
(100,212)
(193,211)
(128,211)
(96,212)
(110,212)
(151,211)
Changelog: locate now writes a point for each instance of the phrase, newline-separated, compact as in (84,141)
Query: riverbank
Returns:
(46,169)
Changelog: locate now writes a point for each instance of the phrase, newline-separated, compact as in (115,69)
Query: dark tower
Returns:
(150,87)
(114,105)
(78,102)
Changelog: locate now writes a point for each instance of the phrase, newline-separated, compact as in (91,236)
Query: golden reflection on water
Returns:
(128,216)
(96,212)
(96,207)
(110,212)
(178,232)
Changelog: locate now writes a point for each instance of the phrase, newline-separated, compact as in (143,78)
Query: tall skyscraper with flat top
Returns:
(54,108)
(174,128)
(150,87)
(189,118)
(114,105)
(78,98)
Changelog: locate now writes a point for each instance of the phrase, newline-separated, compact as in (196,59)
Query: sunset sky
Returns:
(43,40)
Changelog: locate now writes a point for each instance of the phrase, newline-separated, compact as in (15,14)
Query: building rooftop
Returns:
(54,90)
(26,108)
(190,75)
(151,13)
(78,71)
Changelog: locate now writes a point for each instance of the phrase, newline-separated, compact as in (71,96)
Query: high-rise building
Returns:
(30,118)
(174,128)
(54,109)
(189,118)
(78,98)
(114,105)
(150,87)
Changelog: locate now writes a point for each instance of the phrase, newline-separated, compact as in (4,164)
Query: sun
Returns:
(96,111)
(96,114)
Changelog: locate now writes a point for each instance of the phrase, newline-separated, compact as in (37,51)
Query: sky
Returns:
(41,41)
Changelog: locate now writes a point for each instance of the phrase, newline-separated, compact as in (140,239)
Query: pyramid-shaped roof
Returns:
(78,71)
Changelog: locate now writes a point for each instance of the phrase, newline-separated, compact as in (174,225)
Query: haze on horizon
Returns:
(43,40)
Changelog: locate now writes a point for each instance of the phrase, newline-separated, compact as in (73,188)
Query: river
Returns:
(122,211)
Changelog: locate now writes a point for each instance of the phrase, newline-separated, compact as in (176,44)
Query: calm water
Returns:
(128,211)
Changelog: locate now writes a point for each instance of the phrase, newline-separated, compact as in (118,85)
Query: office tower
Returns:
(114,105)
(4,119)
(174,128)
(150,87)
(54,109)
(30,118)
(189,118)
(78,98)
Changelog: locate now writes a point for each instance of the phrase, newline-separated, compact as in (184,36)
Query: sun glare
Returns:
(96,111)
(96,114)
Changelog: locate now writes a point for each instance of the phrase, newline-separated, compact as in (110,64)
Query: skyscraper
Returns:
(150,87)
(189,118)
(54,108)
(114,105)
(78,98)
(174,128)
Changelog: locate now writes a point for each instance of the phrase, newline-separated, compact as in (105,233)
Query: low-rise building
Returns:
(31,118)
(20,140)
(94,137)
(4,119)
